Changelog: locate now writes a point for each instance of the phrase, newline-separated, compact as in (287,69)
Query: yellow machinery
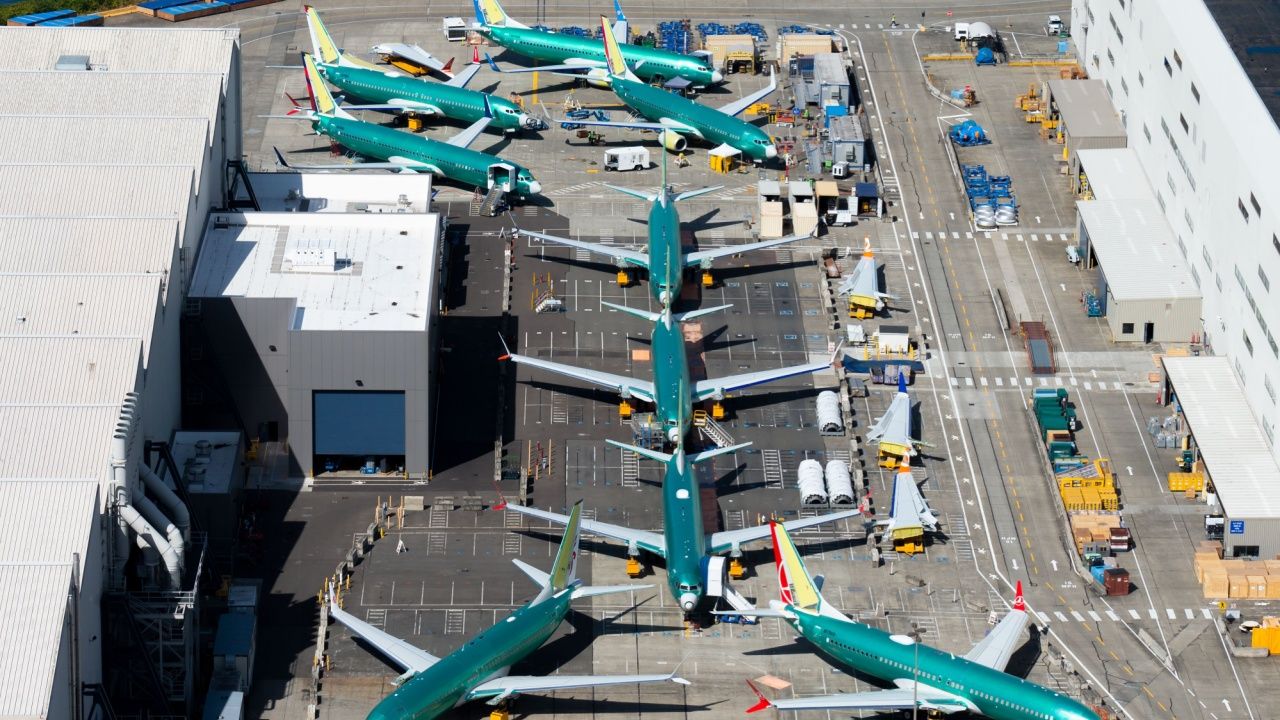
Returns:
(416,123)
(892,454)
(708,280)
(699,418)
(624,410)
(909,547)
(634,568)
(501,713)
(624,278)
(737,570)
(723,163)
(760,108)
(717,411)
(412,68)
(858,310)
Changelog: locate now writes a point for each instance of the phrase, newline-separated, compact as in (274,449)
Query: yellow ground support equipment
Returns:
(624,410)
(634,569)
(1186,481)
(416,123)
(624,278)
(737,570)
(708,280)
(717,411)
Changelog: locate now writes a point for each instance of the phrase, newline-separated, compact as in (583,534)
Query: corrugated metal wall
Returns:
(1175,320)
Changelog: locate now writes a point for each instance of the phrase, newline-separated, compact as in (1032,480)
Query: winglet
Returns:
(902,382)
(488,109)
(1018,603)
(492,65)
(280,157)
(763,703)
(617,10)
(506,351)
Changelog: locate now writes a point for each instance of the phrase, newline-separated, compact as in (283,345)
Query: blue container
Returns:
(1062,47)
(40,18)
(77,20)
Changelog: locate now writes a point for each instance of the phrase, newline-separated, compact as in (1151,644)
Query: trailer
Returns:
(1039,348)
(626,158)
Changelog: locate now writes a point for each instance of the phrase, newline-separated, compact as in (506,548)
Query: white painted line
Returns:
(1044,382)
(955,235)
(1191,614)
(999,382)
(1019,236)
(983,380)
(1078,617)
(1028,382)
(1004,236)
(866,27)
(1088,385)
(1117,386)
(1172,615)
(1013,381)
(1095,616)
(1044,619)
(955,382)
(1208,614)
(1035,238)
(1112,616)
(1073,382)
(1057,381)
(1064,237)
(1060,616)
(928,235)
(968,381)
(1152,613)
(968,236)
(1135,614)
(915,236)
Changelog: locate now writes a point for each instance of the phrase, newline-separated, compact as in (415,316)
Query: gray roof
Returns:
(1233,444)
(1137,250)
(85,305)
(138,95)
(35,599)
(54,190)
(96,140)
(121,49)
(1115,174)
(1085,108)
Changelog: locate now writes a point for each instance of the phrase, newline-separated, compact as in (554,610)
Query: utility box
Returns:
(847,143)
(831,81)
(804,210)
(893,340)
(234,646)
(770,219)
(626,158)
(455,30)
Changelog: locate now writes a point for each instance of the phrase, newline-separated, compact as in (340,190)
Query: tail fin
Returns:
(322,101)
(564,569)
(902,382)
(645,452)
(620,27)
(613,55)
(797,588)
(706,455)
(1018,603)
(322,45)
(490,12)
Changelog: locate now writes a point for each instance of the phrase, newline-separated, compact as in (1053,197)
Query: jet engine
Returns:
(673,141)
(598,77)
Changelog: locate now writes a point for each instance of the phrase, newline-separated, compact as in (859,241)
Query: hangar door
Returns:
(354,428)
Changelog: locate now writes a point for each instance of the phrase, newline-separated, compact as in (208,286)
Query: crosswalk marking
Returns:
(1073,382)
(955,235)
(928,235)
(984,381)
(1190,615)
(968,381)
(1019,236)
(1044,382)
(1064,237)
(1152,613)
(1078,617)
(968,236)
(1135,614)
(1057,381)
(1004,236)
(1035,238)
(1171,613)
(1088,385)
(1060,616)
(915,235)
(1112,616)
(1208,615)
(999,382)
(1094,616)
(1013,381)
(1117,386)
(955,382)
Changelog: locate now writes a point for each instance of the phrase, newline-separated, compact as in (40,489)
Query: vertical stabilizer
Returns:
(322,45)
(564,569)
(614,61)
(322,101)
(490,12)
(795,586)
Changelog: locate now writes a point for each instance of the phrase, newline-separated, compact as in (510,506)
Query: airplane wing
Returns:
(637,125)
(400,105)
(574,66)
(895,699)
(393,163)
(729,539)
(717,387)
(407,657)
(643,539)
(736,107)
(472,131)
(695,258)
(895,424)
(909,510)
(621,384)
(499,689)
(464,77)
(413,53)
(997,647)
(632,257)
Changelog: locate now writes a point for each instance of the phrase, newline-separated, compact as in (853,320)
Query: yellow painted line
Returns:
(535,88)
(1128,669)
(1113,655)
(1162,707)
(1101,641)
(1032,554)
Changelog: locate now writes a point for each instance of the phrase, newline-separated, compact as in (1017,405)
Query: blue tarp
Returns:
(985,57)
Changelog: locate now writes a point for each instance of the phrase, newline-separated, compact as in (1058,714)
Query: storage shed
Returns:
(847,143)
(1088,120)
(1145,286)
(830,81)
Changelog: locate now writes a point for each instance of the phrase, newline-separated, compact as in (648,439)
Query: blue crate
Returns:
(44,17)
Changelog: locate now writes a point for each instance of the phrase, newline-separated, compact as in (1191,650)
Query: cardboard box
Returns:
(1257,586)
(1216,585)
(1273,592)
(1237,585)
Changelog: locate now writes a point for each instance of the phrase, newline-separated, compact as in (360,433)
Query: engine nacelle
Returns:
(598,77)
(673,141)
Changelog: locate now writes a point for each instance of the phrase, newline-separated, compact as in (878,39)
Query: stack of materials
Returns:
(1235,578)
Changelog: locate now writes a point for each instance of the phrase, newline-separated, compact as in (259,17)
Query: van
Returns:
(1073,255)
(962,31)
(626,158)
(1054,26)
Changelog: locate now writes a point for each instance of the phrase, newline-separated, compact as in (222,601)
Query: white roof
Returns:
(48,190)
(61,509)
(1085,107)
(346,272)
(1233,444)
(120,49)
(1137,250)
(1115,174)
(87,245)
(68,370)
(34,599)
(57,441)
(84,305)
(97,139)
(141,95)
(342,193)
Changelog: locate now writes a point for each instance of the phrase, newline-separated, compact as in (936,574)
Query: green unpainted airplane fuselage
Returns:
(713,126)
(458,103)
(683,533)
(666,255)
(671,387)
(651,64)
(457,163)
(447,683)
(995,694)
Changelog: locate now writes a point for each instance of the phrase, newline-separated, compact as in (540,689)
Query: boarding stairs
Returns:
(712,430)
(491,200)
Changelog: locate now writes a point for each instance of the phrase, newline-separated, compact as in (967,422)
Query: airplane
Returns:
(923,677)
(892,431)
(403,93)
(670,391)
(406,152)
(674,117)
(863,286)
(666,278)
(585,55)
(478,670)
(692,555)
(909,514)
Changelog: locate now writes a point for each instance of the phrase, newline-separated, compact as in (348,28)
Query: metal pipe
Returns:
(167,541)
(167,498)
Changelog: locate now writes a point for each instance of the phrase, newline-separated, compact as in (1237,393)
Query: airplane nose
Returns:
(673,436)
(717,76)
(535,186)
(688,601)
(771,151)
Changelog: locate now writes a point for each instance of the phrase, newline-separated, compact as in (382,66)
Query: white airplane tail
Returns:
(490,12)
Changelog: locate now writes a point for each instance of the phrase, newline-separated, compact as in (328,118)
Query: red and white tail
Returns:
(763,701)
(1018,603)
(784,587)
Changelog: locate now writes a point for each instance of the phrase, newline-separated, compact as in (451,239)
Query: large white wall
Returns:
(1156,58)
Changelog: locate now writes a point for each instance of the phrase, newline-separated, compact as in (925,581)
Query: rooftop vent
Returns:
(72,62)
(314,260)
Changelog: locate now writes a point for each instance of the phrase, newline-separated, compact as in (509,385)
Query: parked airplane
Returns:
(909,513)
(863,286)
(675,118)
(394,90)
(406,152)
(478,670)
(892,431)
(664,258)
(585,55)
(694,564)
(923,677)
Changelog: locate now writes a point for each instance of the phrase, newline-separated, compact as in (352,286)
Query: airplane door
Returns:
(502,176)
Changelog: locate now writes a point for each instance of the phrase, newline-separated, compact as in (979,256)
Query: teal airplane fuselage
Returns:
(651,64)
(994,693)
(452,102)
(671,388)
(448,683)
(685,116)
(457,163)
(666,255)
(683,532)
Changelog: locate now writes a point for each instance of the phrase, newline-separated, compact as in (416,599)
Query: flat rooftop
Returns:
(340,192)
(1086,108)
(355,271)
(1115,174)
(1137,250)
(1252,31)
(1231,440)
(220,464)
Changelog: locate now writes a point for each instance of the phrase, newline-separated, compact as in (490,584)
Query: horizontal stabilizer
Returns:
(595,590)
(539,577)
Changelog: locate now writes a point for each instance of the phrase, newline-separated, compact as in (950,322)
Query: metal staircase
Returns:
(492,200)
(711,429)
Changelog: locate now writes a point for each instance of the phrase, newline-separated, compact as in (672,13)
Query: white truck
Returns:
(454,28)
(962,31)
(842,211)
(626,158)
(1054,27)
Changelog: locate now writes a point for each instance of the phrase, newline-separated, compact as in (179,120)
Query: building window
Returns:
(1185,127)
(1243,212)
(1204,253)
(1186,215)
(1271,392)
(1248,344)
(1266,282)
(1195,93)
(1115,27)
(1178,59)
(1257,209)
(1167,67)
(1126,328)
(1124,86)
(1146,131)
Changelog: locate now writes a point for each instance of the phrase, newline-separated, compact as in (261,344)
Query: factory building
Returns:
(1199,109)
(323,324)
(116,146)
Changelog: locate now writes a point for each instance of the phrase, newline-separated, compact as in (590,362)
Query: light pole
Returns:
(916,634)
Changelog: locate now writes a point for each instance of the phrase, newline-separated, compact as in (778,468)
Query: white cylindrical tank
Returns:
(829,418)
(839,484)
(813,491)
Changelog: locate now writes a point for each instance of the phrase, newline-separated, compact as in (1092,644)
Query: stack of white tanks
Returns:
(813,490)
